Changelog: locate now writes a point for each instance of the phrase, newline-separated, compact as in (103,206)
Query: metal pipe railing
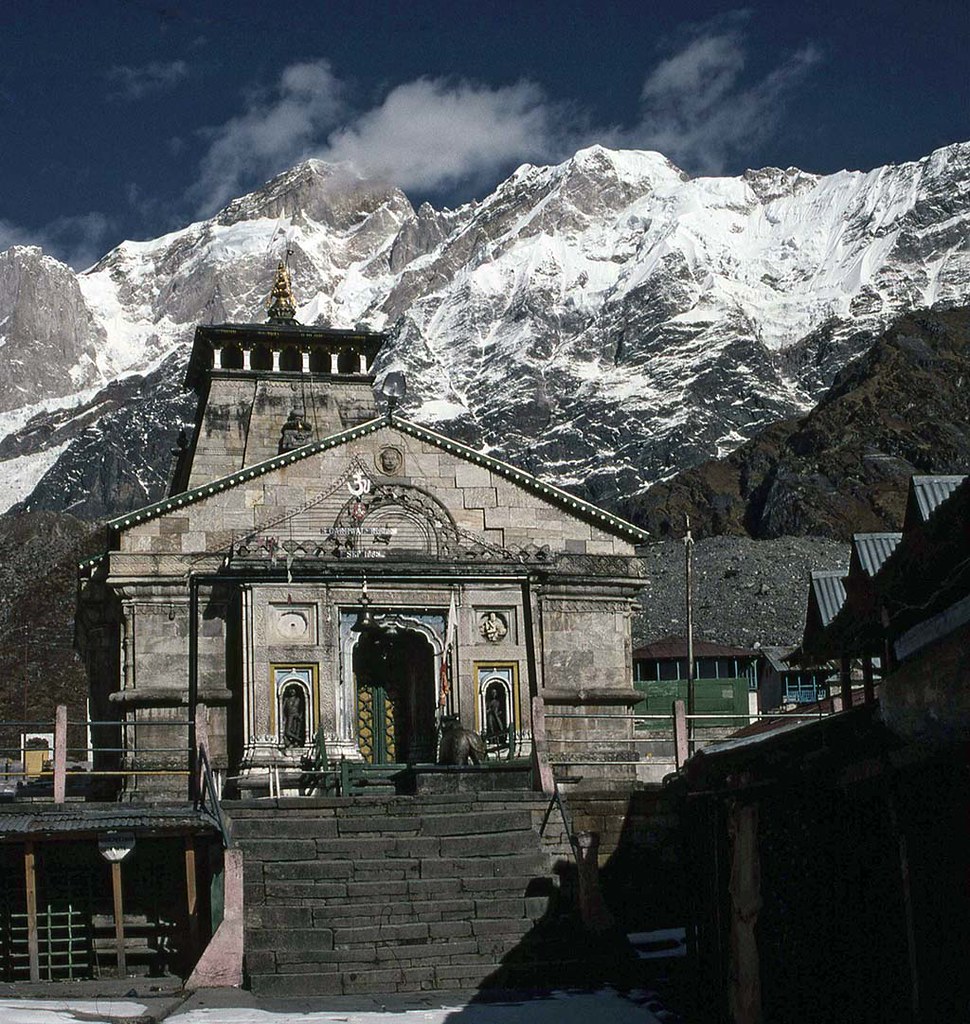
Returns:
(53,768)
(646,730)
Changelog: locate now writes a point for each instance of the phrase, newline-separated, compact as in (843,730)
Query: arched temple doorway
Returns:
(394,672)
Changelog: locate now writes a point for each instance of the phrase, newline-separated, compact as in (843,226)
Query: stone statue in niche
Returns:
(296,433)
(496,714)
(459,745)
(493,627)
(293,713)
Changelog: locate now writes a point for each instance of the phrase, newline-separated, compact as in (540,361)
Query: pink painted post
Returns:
(680,733)
(221,964)
(201,742)
(540,748)
(592,907)
(60,753)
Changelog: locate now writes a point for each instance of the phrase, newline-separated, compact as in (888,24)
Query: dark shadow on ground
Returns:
(642,887)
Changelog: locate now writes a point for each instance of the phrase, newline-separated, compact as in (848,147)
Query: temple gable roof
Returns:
(569,503)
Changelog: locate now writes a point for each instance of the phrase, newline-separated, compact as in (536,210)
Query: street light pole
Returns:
(688,588)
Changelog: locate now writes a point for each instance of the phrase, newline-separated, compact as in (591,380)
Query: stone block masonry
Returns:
(383,894)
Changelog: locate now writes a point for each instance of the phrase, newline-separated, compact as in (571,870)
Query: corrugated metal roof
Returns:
(75,818)
(776,658)
(676,647)
(829,590)
(873,549)
(931,491)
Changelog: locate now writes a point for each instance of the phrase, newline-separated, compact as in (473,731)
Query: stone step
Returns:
(463,975)
(310,807)
(489,825)
(416,952)
(403,940)
(290,827)
(388,893)
(333,877)
(352,850)
(441,907)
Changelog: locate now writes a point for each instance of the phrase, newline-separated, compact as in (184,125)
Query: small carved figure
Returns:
(459,745)
(390,460)
(296,432)
(496,723)
(493,627)
(294,718)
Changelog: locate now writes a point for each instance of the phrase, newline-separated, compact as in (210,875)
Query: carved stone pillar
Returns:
(127,652)
(248,694)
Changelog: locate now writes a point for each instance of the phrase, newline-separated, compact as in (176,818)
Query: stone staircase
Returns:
(401,893)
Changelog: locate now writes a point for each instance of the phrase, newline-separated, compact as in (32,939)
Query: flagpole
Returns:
(453,645)
(688,591)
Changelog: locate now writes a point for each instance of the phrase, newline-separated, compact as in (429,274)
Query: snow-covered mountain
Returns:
(604,322)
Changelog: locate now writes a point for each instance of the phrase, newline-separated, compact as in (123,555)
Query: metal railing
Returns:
(643,732)
(37,760)
(625,739)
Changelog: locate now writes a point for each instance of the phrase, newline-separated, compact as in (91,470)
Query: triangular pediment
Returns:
(332,497)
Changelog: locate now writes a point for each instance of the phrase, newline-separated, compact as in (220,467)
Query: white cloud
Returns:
(274,132)
(77,241)
(432,134)
(156,76)
(698,109)
(699,106)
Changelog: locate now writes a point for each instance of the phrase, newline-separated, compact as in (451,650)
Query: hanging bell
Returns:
(365,620)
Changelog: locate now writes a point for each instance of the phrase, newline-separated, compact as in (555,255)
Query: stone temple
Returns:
(333,581)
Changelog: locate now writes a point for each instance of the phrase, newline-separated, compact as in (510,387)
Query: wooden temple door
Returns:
(375,723)
(395,698)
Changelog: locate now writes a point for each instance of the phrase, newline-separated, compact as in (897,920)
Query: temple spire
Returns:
(281,306)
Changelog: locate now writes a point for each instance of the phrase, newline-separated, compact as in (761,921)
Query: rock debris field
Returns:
(746,592)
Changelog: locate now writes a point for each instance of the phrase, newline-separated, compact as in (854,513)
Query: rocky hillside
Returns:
(746,592)
(606,322)
(902,408)
(39,553)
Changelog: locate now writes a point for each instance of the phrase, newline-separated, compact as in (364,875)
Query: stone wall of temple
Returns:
(244,417)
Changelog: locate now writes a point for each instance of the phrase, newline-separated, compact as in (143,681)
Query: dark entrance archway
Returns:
(395,698)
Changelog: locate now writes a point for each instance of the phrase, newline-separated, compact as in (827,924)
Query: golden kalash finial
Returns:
(281,305)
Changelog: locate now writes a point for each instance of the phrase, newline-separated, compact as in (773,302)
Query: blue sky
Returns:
(129,118)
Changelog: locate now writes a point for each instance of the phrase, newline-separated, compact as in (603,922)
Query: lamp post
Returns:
(114,847)
(688,588)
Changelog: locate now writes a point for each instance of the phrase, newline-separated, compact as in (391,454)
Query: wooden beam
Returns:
(845,682)
(907,895)
(869,687)
(119,913)
(30,878)
(191,895)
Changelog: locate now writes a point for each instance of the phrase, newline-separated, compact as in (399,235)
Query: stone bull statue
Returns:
(459,745)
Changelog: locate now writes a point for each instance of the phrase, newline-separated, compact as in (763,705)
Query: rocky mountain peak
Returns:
(50,340)
(605,321)
(769,183)
(333,196)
